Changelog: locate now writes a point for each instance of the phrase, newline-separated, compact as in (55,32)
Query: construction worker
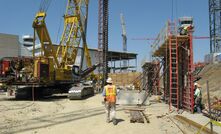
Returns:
(109,94)
(197,97)
(186,30)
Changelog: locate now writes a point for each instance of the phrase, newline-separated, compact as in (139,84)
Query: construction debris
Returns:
(136,116)
(161,116)
(215,114)
(215,111)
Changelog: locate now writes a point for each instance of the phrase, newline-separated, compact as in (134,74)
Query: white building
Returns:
(27,40)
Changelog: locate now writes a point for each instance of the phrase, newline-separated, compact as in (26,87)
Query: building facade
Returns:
(9,45)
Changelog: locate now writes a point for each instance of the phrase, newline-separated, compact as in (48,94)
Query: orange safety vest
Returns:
(110,93)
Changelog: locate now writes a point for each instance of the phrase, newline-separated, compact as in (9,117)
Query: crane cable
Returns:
(62,9)
(44,5)
(173,9)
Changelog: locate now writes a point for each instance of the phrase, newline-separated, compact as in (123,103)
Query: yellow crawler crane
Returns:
(61,60)
(55,69)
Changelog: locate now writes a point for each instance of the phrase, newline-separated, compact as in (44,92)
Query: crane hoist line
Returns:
(44,5)
(55,66)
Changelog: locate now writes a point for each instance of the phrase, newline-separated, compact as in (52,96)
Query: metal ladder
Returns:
(173,53)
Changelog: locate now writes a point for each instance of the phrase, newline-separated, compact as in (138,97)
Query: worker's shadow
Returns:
(119,120)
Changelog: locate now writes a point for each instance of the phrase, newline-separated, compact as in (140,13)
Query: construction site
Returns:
(70,86)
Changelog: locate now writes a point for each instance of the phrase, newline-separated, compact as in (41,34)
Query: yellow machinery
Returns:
(54,68)
(55,65)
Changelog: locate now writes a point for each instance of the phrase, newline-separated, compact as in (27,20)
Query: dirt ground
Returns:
(58,114)
(212,73)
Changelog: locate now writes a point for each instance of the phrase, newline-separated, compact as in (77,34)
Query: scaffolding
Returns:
(177,54)
(215,25)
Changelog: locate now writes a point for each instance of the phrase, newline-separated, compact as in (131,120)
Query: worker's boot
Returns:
(108,120)
(114,121)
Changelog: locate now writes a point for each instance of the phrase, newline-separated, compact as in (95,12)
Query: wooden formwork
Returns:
(124,79)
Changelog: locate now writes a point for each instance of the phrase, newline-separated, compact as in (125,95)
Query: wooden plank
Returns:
(134,109)
(145,116)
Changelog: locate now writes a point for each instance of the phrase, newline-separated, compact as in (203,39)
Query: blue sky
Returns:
(144,18)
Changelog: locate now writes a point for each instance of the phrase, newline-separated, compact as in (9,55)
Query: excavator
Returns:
(54,70)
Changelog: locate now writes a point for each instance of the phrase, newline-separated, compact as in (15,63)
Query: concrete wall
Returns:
(9,45)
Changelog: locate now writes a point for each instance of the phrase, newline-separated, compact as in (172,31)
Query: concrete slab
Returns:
(199,118)
(132,97)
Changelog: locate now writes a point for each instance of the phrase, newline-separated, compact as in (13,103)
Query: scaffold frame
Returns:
(177,53)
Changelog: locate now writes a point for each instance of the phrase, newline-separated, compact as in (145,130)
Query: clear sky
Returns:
(144,18)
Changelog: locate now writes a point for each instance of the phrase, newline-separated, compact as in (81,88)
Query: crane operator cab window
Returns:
(75,71)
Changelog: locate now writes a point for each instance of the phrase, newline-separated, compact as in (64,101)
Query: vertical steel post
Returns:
(33,53)
(208,97)
(103,39)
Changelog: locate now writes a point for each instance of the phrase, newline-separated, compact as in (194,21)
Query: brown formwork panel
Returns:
(123,79)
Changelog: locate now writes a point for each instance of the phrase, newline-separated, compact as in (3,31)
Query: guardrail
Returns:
(170,28)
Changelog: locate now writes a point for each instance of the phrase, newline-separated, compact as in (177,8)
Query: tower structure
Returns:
(103,39)
(215,25)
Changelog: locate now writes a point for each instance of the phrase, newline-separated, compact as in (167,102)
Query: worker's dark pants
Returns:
(198,104)
(110,109)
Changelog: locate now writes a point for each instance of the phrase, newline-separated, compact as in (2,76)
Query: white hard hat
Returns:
(197,84)
(109,80)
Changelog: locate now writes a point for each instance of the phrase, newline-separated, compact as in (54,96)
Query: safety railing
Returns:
(169,29)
